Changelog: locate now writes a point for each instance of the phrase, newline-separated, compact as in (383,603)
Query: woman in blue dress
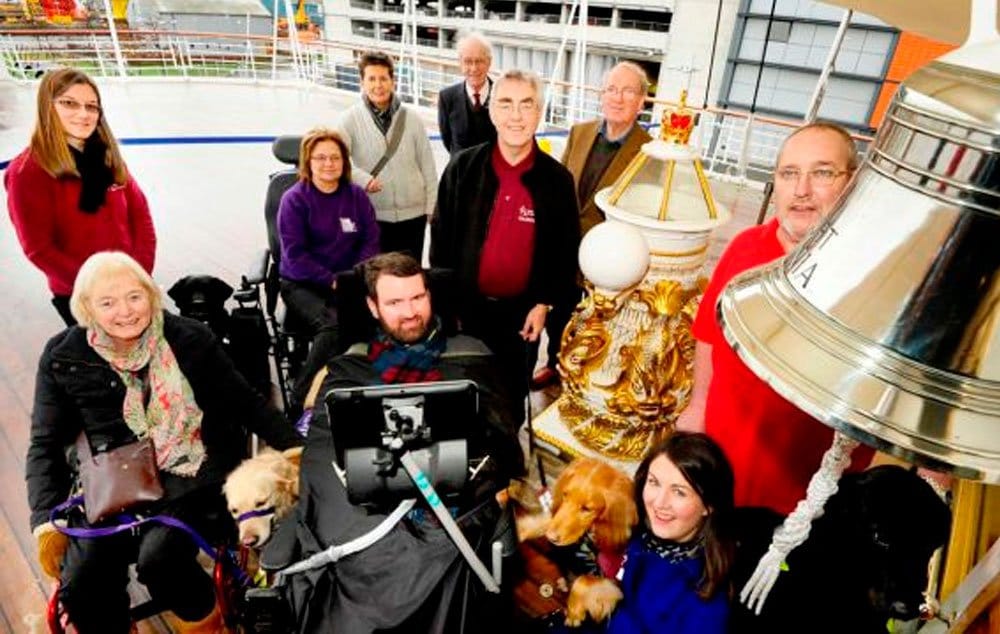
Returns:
(674,578)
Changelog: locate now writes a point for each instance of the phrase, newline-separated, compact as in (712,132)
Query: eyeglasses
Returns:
(475,61)
(74,106)
(323,158)
(628,92)
(528,106)
(821,176)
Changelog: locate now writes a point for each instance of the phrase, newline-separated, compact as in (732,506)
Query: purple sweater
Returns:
(324,234)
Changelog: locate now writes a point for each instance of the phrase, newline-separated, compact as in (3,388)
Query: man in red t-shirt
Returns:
(507,223)
(774,447)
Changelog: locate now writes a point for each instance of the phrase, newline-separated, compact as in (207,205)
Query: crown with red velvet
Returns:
(677,123)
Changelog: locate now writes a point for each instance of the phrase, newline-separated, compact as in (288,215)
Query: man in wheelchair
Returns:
(413,579)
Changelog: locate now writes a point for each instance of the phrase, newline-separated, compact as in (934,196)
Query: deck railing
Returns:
(735,145)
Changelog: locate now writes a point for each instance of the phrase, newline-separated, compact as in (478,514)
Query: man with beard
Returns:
(412,579)
(774,447)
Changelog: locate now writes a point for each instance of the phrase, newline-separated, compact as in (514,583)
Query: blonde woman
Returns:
(131,371)
(69,194)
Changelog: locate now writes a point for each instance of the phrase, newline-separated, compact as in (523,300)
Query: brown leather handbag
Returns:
(119,479)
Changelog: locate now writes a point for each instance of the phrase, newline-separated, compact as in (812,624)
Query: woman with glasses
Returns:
(69,193)
(326,225)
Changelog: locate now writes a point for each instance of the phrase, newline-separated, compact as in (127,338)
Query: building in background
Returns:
(525,34)
(237,17)
(781,81)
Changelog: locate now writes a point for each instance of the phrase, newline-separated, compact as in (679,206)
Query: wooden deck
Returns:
(209,221)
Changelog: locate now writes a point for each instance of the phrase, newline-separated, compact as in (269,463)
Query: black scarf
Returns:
(383,118)
(95,175)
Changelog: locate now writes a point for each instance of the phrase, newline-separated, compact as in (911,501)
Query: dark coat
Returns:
(454,110)
(413,579)
(465,201)
(76,390)
(865,560)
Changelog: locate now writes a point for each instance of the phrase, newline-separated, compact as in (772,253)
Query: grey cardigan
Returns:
(409,179)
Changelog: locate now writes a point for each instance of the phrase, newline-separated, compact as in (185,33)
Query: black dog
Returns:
(203,297)
(865,560)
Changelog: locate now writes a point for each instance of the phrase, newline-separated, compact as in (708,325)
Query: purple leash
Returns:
(128,522)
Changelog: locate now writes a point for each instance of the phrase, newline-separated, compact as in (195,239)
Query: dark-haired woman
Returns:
(69,194)
(674,578)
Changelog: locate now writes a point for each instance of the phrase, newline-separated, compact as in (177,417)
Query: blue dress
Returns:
(660,588)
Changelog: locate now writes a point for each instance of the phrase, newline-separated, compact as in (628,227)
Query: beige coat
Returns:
(581,139)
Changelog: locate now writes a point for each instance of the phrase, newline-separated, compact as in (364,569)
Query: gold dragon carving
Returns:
(654,372)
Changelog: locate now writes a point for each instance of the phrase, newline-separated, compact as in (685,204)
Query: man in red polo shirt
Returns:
(774,447)
(507,223)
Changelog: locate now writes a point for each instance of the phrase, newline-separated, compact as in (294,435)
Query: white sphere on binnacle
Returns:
(614,256)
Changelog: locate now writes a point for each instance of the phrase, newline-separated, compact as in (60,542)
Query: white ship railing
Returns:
(736,146)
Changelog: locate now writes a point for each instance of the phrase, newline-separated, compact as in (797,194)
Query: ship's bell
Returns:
(884,323)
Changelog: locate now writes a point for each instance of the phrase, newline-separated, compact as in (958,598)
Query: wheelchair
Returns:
(311,552)
(229,580)
(290,337)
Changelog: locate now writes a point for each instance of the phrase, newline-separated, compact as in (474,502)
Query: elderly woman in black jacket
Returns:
(130,371)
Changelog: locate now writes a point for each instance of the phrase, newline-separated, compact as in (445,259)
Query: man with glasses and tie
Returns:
(773,446)
(596,153)
(507,223)
(463,108)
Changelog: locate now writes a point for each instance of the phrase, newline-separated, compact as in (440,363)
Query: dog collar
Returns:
(254,513)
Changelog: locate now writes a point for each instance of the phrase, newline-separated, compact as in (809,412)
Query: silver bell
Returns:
(885,323)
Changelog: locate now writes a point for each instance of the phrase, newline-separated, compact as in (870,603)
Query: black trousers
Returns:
(316,306)
(95,571)
(556,322)
(498,322)
(61,302)
(406,235)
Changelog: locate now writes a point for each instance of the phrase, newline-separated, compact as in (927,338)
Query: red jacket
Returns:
(57,237)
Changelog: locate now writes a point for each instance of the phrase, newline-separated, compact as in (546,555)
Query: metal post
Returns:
(109,16)
(274,40)
(831,60)
(581,65)
(560,54)
(293,40)
(763,58)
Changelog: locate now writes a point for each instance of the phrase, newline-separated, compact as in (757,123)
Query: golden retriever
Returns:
(262,489)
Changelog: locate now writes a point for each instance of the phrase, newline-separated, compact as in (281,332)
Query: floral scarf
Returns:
(171,418)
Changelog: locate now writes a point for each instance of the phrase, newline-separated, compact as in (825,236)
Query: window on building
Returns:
(363,28)
(542,12)
(427,36)
(645,20)
(781,30)
(788,92)
(500,10)
(596,16)
(460,8)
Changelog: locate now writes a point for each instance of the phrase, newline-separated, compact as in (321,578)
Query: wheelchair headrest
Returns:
(286,148)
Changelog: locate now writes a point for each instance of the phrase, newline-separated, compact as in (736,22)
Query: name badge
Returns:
(347,225)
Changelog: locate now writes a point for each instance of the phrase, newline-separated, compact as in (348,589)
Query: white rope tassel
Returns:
(795,529)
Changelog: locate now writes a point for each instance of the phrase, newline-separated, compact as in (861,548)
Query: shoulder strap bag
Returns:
(395,136)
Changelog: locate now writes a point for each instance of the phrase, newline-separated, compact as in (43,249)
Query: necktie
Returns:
(476,104)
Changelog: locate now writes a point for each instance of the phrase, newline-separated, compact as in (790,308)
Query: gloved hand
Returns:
(51,548)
